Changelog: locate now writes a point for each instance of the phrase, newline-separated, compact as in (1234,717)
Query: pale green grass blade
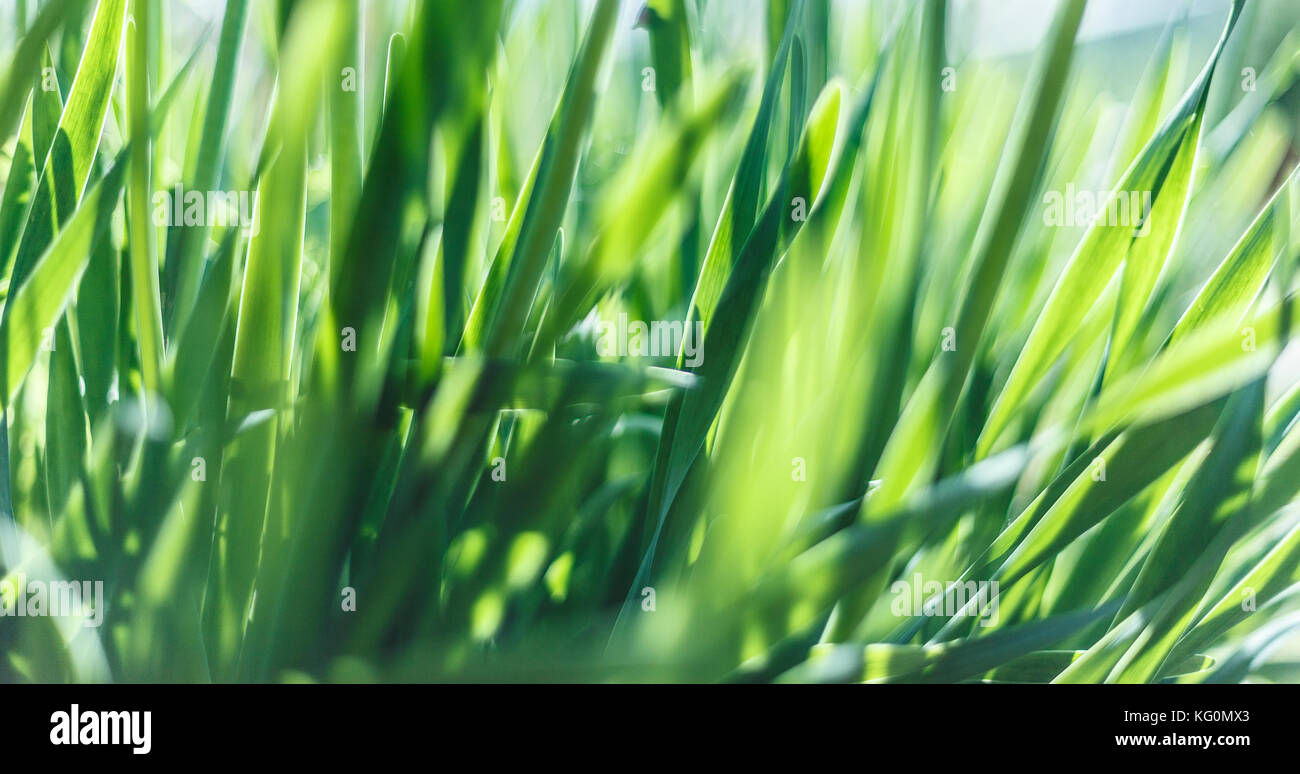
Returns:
(143,252)
(1106,245)
(265,334)
(913,447)
(185,258)
(65,170)
(636,203)
(24,68)
(667,22)
(554,180)
(1238,280)
(16,199)
(35,306)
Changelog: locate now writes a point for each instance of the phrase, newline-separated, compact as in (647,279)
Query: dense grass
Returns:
(376,430)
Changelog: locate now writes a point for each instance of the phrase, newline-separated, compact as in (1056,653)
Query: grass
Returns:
(375,430)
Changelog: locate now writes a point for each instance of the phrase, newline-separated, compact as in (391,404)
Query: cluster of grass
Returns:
(373,434)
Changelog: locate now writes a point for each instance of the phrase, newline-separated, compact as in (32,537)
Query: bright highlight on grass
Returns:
(798,340)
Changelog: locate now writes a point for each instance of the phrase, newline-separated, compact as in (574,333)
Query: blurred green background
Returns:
(376,433)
